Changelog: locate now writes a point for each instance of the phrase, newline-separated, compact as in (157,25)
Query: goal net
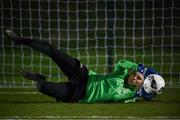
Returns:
(98,32)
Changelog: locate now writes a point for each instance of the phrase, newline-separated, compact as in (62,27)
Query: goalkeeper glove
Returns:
(146,71)
(142,93)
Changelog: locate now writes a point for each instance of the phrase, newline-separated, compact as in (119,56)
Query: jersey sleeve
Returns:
(124,66)
(125,95)
(130,100)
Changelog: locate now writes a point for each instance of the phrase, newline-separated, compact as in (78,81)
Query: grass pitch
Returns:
(26,103)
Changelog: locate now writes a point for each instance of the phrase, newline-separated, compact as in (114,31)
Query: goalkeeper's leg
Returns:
(60,91)
(68,64)
(64,91)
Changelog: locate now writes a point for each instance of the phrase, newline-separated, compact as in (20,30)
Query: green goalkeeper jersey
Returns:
(111,87)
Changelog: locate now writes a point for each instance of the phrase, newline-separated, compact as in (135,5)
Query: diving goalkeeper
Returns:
(128,82)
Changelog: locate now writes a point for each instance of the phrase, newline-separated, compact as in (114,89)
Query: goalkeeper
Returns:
(125,84)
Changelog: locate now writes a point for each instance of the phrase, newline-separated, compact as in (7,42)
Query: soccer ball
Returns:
(154,84)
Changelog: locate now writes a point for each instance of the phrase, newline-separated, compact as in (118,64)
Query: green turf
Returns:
(13,104)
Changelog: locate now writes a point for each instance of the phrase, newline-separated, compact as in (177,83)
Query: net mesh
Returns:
(99,33)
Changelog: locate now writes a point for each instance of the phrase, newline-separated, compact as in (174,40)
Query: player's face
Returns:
(136,79)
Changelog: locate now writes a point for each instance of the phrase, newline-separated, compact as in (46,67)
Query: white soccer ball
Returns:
(154,83)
